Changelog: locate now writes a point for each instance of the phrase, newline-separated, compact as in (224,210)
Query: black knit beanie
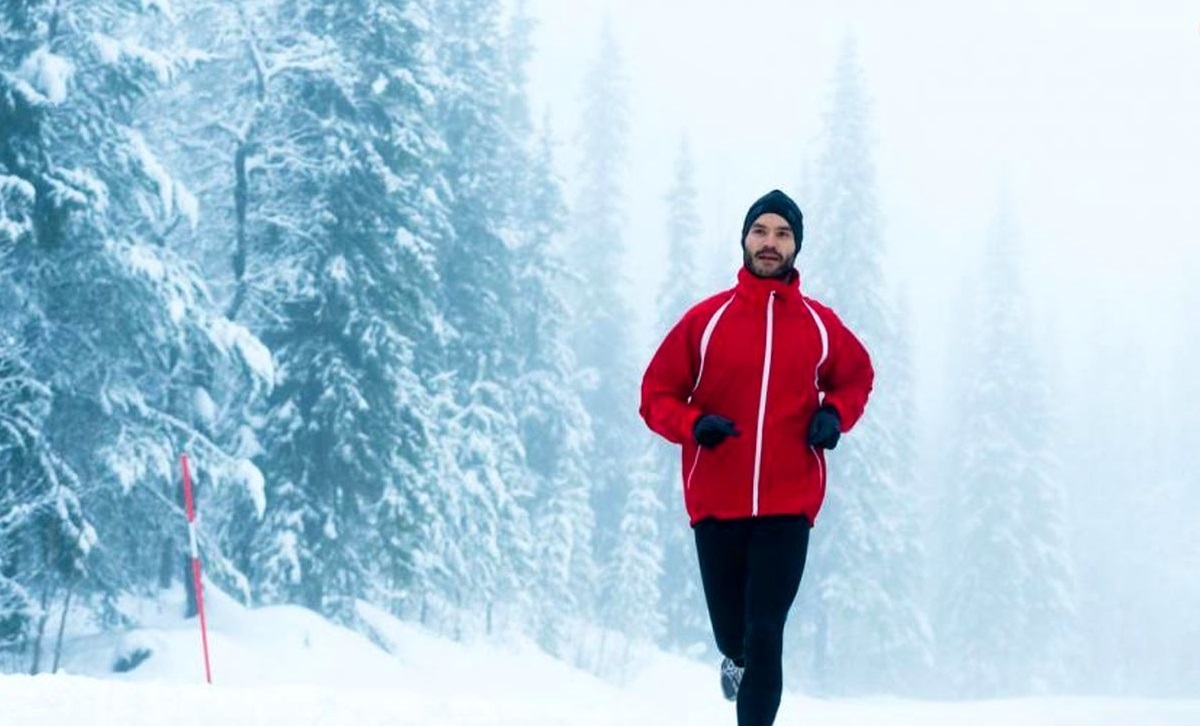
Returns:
(776,202)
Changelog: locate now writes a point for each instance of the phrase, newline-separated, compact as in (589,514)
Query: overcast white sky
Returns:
(1088,111)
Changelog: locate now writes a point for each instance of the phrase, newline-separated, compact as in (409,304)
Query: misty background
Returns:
(389,273)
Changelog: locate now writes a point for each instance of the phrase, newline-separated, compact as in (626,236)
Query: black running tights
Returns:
(751,570)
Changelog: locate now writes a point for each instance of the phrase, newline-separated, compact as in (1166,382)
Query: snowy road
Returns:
(58,700)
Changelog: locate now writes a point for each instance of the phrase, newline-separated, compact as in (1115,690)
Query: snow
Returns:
(255,485)
(287,555)
(187,205)
(205,407)
(112,50)
(85,537)
(47,75)
(128,461)
(107,47)
(16,207)
(231,336)
(144,260)
(286,665)
(78,187)
(338,270)
(15,187)
(154,169)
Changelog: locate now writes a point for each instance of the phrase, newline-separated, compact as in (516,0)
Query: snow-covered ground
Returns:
(287,666)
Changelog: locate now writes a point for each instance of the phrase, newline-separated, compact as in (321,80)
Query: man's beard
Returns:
(783,272)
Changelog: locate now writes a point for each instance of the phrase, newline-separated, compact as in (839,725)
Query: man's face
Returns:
(769,247)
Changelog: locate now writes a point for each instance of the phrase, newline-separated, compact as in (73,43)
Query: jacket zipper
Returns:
(762,400)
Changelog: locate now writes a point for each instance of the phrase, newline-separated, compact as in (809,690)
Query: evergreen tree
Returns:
(679,289)
(113,322)
(555,428)
(349,306)
(682,593)
(44,538)
(479,112)
(490,545)
(634,574)
(1139,575)
(212,127)
(1101,500)
(602,319)
(481,160)
(863,577)
(1008,591)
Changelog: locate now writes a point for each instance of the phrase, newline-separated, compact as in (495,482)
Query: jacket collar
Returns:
(759,288)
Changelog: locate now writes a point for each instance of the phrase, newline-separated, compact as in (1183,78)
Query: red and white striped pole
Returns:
(191,515)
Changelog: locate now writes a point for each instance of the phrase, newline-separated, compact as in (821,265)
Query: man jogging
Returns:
(756,384)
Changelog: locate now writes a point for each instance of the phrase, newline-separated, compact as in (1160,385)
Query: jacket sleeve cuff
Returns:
(690,418)
(831,402)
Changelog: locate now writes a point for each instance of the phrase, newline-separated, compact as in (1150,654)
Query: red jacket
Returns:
(766,357)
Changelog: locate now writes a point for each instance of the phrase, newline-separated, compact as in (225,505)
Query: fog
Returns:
(1083,117)
(1086,116)
(322,249)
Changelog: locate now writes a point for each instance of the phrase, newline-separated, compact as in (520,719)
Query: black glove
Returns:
(711,429)
(825,428)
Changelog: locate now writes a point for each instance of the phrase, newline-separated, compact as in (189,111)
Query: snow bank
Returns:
(287,666)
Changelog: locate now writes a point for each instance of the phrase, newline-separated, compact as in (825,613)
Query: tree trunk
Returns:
(458,617)
(240,253)
(166,563)
(62,626)
(43,616)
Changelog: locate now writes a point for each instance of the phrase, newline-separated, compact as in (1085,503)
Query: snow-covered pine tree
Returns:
(473,114)
(484,157)
(632,587)
(555,429)
(909,645)
(117,326)
(231,127)
(485,161)
(1007,594)
(862,584)
(1100,471)
(489,543)
(1132,517)
(601,318)
(683,604)
(345,292)
(17,606)
(679,289)
(44,537)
